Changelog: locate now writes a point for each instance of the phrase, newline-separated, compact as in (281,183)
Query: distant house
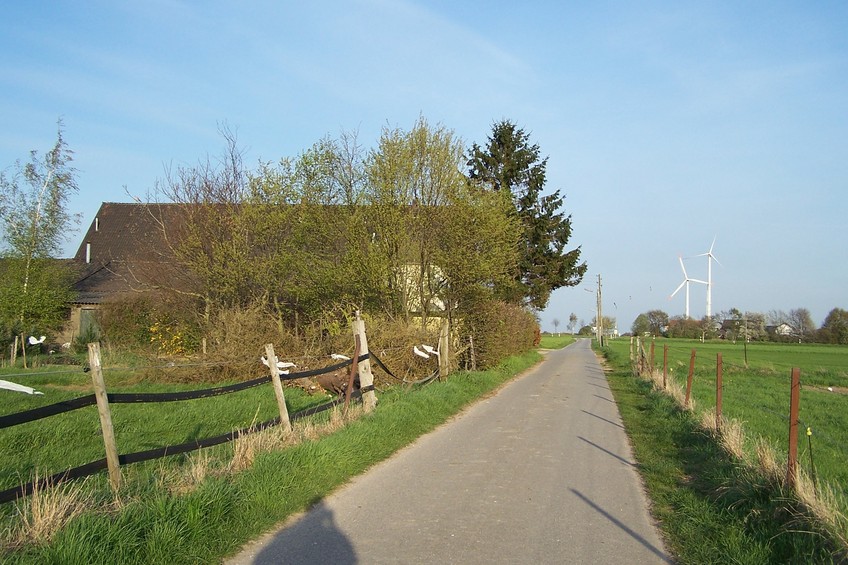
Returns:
(782,330)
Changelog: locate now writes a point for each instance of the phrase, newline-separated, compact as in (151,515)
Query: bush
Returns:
(500,330)
(125,323)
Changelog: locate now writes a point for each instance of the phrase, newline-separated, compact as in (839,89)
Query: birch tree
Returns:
(35,221)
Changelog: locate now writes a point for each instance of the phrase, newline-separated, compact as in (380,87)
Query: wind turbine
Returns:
(710,258)
(686,281)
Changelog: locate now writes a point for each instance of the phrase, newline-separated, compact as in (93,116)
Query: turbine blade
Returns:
(680,257)
(677,289)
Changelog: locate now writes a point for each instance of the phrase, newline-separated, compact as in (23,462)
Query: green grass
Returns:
(68,440)
(758,396)
(710,508)
(556,341)
(224,512)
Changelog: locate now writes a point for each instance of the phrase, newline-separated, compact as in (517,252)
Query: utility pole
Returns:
(600,320)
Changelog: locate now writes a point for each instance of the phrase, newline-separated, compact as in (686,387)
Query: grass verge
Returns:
(215,516)
(711,507)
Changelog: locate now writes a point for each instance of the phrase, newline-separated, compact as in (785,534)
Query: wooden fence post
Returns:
(718,391)
(473,358)
(366,377)
(112,461)
(444,349)
(278,387)
(665,366)
(637,369)
(689,380)
(354,369)
(23,350)
(794,402)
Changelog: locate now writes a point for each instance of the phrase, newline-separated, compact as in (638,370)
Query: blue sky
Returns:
(666,123)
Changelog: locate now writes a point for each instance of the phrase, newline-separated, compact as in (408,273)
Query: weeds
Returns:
(46,511)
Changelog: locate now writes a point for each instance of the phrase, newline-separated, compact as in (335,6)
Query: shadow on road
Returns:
(616,424)
(315,538)
(607,451)
(622,526)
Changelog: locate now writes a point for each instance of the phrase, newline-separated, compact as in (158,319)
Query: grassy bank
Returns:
(712,508)
(204,520)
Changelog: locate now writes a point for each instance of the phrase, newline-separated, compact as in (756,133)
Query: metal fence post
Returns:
(794,405)
(718,391)
(689,380)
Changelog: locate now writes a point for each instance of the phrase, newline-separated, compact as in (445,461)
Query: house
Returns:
(126,250)
(781,330)
(123,252)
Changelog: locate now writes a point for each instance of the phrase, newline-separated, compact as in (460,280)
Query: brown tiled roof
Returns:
(124,250)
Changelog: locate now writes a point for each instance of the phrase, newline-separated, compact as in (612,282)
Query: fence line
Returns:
(641,366)
(25,416)
(102,399)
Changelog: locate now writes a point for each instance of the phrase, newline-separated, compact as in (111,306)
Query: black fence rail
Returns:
(94,467)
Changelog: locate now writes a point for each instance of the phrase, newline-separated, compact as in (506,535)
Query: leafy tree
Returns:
(555,322)
(308,216)
(509,163)
(801,322)
(572,322)
(205,232)
(834,329)
(683,327)
(640,325)
(609,323)
(34,222)
(657,322)
(290,238)
(446,243)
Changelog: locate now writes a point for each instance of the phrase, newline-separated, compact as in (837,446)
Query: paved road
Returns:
(539,473)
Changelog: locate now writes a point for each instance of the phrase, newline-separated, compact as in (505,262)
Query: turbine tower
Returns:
(686,281)
(710,258)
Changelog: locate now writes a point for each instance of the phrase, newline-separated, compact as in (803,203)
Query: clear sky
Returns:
(666,123)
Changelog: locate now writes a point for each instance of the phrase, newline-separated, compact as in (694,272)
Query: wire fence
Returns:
(769,405)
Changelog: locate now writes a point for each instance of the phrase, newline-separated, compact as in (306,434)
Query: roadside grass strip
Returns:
(712,506)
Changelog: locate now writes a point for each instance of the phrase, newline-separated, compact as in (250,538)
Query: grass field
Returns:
(757,396)
(556,341)
(68,440)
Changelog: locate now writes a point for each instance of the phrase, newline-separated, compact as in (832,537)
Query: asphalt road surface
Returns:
(541,472)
